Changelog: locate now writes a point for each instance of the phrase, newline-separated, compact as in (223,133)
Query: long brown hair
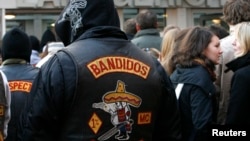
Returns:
(189,52)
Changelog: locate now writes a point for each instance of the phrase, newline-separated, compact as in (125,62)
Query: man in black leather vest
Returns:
(101,86)
(16,51)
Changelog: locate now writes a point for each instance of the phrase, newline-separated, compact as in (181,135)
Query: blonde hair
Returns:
(242,33)
(169,27)
(168,43)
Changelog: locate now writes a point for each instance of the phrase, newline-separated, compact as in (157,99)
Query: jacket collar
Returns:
(103,31)
(189,76)
(238,63)
(151,31)
(14,61)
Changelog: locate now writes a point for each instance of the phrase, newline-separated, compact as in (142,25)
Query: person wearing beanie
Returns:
(100,86)
(16,51)
(16,45)
(35,45)
(47,37)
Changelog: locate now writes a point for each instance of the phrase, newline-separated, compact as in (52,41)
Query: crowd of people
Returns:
(93,80)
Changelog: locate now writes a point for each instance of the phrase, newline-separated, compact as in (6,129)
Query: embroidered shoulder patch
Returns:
(23,86)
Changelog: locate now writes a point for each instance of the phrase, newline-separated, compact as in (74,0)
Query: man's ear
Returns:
(138,27)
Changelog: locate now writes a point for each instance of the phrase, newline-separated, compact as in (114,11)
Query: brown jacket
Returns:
(224,79)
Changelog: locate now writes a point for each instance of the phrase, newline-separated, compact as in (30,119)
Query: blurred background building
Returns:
(35,16)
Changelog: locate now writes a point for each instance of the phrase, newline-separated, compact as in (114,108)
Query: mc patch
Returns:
(144,118)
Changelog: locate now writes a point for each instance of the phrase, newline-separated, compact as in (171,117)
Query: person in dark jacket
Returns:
(16,51)
(35,53)
(147,34)
(100,86)
(47,37)
(234,12)
(238,114)
(195,59)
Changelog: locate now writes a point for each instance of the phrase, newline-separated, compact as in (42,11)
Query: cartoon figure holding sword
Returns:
(117,103)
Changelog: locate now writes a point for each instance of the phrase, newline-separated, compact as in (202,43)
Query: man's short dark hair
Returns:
(146,19)
(130,26)
(218,30)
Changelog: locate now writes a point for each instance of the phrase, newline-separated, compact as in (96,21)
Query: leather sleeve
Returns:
(168,124)
(50,96)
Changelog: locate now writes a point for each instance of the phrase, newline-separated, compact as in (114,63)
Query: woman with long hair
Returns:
(194,60)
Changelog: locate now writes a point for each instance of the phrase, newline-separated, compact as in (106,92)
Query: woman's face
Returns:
(213,51)
(237,48)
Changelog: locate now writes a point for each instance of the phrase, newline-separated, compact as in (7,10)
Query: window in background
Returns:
(161,15)
(204,19)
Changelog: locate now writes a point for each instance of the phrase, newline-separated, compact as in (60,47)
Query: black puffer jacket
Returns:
(100,87)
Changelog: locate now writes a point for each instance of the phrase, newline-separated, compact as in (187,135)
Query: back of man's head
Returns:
(35,43)
(130,26)
(236,11)
(16,44)
(146,19)
(218,30)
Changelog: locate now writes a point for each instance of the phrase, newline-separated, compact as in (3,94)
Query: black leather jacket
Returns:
(20,77)
(102,88)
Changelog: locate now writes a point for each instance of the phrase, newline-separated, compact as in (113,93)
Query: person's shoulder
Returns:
(3,76)
(4,85)
(243,72)
(193,74)
(226,40)
(226,43)
(136,40)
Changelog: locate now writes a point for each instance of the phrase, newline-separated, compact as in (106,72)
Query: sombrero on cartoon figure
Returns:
(120,95)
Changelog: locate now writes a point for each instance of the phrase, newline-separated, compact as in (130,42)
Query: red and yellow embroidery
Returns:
(95,123)
(24,86)
(2,110)
(117,103)
(144,118)
(106,65)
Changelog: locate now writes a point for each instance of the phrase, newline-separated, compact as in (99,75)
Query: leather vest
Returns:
(118,92)
(20,78)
